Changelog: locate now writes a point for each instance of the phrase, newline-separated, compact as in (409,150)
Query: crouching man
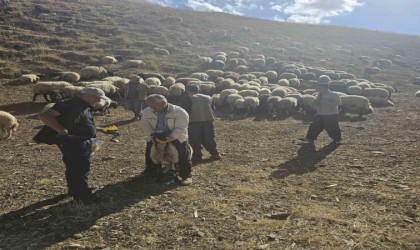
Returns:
(162,117)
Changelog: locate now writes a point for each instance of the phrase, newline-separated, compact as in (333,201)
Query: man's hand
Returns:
(161,141)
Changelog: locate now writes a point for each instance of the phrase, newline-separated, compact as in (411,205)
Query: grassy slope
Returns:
(270,173)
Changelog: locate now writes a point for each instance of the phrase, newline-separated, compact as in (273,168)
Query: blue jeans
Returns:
(136,106)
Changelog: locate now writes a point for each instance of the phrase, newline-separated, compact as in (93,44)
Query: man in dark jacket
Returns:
(72,119)
(200,127)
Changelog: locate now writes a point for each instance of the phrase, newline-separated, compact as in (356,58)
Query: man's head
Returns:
(157,103)
(322,86)
(192,89)
(93,95)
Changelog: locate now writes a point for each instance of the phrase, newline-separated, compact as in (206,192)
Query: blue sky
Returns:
(399,16)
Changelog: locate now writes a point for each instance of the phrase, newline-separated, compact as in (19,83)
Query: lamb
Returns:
(93,72)
(355,104)
(8,125)
(108,60)
(29,78)
(49,89)
(69,76)
(165,154)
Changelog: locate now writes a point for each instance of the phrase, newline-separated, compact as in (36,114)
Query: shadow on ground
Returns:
(48,222)
(305,161)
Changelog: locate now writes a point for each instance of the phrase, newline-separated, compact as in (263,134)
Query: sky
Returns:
(398,16)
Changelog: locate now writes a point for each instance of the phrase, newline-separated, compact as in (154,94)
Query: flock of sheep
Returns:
(238,83)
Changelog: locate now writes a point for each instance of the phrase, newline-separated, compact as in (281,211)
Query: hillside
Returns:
(362,194)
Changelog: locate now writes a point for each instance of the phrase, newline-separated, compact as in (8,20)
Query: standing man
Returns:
(136,94)
(200,128)
(73,122)
(326,105)
(162,117)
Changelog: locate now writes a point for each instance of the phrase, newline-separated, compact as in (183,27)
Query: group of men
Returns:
(192,124)
(189,125)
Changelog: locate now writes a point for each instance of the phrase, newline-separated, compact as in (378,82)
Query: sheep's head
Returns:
(163,136)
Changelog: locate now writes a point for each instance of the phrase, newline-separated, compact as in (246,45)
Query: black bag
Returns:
(46,135)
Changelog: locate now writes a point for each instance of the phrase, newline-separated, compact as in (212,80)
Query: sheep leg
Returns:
(34,98)
(46,97)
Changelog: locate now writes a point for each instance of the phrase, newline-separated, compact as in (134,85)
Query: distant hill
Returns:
(44,36)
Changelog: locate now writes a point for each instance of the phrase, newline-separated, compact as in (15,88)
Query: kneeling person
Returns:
(160,118)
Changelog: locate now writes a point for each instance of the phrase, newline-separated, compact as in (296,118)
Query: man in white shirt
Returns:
(172,120)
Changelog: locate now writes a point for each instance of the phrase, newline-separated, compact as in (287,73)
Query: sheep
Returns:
(176,90)
(92,72)
(121,84)
(363,85)
(418,93)
(379,101)
(217,102)
(134,64)
(306,104)
(165,154)
(152,81)
(283,82)
(272,103)
(225,84)
(49,89)
(29,78)
(294,82)
(270,61)
(309,76)
(258,62)
(287,106)
(372,70)
(106,86)
(71,91)
(354,90)
(383,93)
(226,92)
(160,90)
(146,75)
(108,60)
(293,51)
(248,92)
(355,104)
(69,76)
(281,92)
(160,51)
(309,91)
(169,81)
(265,91)
(204,61)
(271,75)
(207,88)
(214,73)
(200,75)
(8,125)
(287,76)
(230,100)
(383,63)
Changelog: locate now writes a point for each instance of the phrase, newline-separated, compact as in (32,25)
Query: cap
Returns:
(96,92)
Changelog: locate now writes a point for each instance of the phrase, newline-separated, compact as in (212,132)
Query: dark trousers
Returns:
(136,106)
(77,159)
(184,159)
(201,134)
(327,122)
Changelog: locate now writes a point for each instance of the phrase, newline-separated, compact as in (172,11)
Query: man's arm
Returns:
(49,117)
(181,125)
(145,124)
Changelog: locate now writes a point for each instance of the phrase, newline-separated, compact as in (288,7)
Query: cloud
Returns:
(318,11)
(277,7)
(202,6)
(279,19)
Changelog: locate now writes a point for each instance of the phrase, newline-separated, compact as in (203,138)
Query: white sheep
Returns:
(231,99)
(287,106)
(106,86)
(324,79)
(354,90)
(108,60)
(283,82)
(176,89)
(204,61)
(169,81)
(207,88)
(418,93)
(250,104)
(200,76)
(306,104)
(355,104)
(160,90)
(152,81)
(49,89)
(69,76)
(217,102)
(271,75)
(134,64)
(294,82)
(279,92)
(265,91)
(71,91)
(378,92)
(272,103)
(214,73)
(248,92)
(165,154)
(160,51)
(226,92)
(287,76)
(92,72)
(8,125)
(29,78)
